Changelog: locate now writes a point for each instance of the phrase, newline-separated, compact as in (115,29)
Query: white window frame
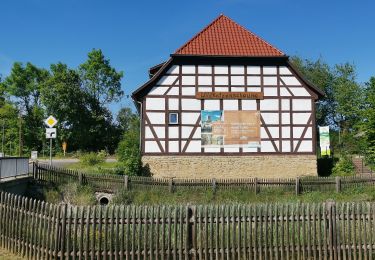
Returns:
(177,116)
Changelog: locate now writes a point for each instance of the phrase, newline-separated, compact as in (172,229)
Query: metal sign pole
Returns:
(50,151)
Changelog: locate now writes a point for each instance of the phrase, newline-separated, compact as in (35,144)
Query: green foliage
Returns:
(76,194)
(344,167)
(369,122)
(92,158)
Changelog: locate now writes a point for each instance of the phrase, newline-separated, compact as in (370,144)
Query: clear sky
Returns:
(136,35)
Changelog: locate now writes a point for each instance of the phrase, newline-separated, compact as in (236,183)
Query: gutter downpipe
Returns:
(140,126)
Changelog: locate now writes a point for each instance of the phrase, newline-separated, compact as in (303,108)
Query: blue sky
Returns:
(136,35)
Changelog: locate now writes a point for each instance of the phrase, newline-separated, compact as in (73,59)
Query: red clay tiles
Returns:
(224,37)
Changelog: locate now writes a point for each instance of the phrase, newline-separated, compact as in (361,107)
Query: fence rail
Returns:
(39,230)
(13,167)
(111,182)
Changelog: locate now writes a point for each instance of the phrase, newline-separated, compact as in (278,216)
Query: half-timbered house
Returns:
(227,104)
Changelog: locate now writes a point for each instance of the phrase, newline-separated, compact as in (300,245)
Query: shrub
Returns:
(344,167)
(76,194)
(92,158)
(123,197)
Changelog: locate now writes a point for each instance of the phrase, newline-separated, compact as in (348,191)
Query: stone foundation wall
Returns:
(213,166)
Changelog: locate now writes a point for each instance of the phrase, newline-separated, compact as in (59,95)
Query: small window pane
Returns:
(173,118)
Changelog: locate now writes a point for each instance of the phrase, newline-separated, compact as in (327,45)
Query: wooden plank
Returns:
(87,237)
(93,241)
(75,232)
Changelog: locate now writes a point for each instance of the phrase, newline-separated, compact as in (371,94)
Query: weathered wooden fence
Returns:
(40,230)
(112,182)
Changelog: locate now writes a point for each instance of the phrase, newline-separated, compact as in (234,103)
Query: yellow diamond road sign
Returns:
(50,121)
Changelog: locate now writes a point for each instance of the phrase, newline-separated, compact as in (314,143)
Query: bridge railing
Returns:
(11,167)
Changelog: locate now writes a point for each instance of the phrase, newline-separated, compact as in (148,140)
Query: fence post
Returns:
(298,184)
(338,184)
(214,185)
(80,178)
(170,185)
(331,212)
(256,185)
(126,182)
(190,235)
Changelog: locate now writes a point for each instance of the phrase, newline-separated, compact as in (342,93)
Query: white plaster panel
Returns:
(189,118)
(152,147)
(197,133)
(253,69)
(194,147)
(266,146)
(284,71)
(173,132)
(285,146)
(222,89)
(204,69)
(211,104)
(308,133)
(301,104)
(190,104)
(270,81)
(230,104)
(263,133)
(156,117)
(274,131)
(285,132)
(253,80)
(160,131)
(188,80)
(249,104)
(158,90)
(237,89)
(270,118)
(173,146)
(205,89)
(148,132)
(237,80)
(285,118)
(239,70)
(188,91)
(205,80)
(173,70)
(162,143)
(305,146)
(297,132)
(300,118)
(254,89)
(155,103)
(269,104)
(167,80)
(183,145)
(269,70)
(285,104)
(249,149)
(221,69)
(284,92)
(291,81)
(270,92)
(211,150)
(188,69)
(300,92)
(221,80)
(231,150)
(173,104)
(186,131)
(174,91)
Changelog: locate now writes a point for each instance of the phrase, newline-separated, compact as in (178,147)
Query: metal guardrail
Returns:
(13,167)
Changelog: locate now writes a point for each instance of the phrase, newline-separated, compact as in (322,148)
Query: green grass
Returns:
(6,255)
(152,197)
(103,167)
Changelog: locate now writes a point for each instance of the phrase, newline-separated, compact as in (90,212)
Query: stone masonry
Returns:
(212,166)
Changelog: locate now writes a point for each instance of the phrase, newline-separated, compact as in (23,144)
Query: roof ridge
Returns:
(198,34)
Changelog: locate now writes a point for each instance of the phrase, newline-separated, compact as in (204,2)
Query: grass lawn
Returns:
(6,255)
(152,197)
(101,167)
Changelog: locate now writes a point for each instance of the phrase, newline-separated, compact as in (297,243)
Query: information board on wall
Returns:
(324,141)
(220,128)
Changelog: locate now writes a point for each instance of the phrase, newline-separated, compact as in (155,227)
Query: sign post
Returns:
(50,134)
(64,144)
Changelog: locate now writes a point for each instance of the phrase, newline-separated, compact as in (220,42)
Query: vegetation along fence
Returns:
(40,230)
(112,182)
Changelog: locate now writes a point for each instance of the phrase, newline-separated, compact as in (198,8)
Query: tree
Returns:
(369,122)
(127,119)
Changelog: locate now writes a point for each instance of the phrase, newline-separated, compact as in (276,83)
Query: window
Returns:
(173,118)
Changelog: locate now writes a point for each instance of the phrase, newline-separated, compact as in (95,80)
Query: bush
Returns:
(92,158)
(76,194)
(344,167)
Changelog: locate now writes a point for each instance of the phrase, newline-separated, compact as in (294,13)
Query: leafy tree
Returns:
(127,119)
(369,122)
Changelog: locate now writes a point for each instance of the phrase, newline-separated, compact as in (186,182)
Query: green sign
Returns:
(324,141)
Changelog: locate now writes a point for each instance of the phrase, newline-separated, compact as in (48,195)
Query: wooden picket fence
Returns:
(112,182)
(39,230)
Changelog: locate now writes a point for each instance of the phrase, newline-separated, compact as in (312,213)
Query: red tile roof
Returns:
(225,37)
